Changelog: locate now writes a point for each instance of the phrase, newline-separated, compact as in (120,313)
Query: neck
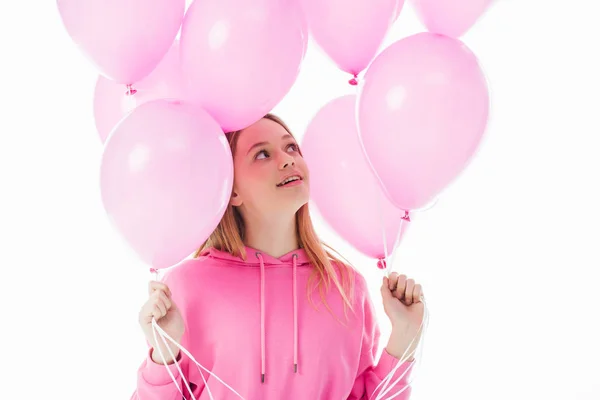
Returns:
(274,237)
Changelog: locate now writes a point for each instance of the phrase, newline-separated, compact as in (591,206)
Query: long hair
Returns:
(229,237)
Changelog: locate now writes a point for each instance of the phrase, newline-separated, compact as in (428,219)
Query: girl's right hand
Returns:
(161,306)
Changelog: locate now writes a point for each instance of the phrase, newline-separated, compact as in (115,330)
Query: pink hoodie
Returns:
(251,321)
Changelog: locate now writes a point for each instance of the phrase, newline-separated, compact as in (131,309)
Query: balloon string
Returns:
(163,335)
(154,271)
(386,381)
(404,220)
(385,391)
(383,262)
(390,386)
(173,358)
(388,377)
(201,374)
(354,80)
(181,374)
(187,353)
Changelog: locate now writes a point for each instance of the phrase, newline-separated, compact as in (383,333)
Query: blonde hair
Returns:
(229,235)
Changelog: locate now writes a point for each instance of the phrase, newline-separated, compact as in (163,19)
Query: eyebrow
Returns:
(255,145)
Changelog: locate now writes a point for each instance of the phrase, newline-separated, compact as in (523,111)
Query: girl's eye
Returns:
(293,146)
(259,153)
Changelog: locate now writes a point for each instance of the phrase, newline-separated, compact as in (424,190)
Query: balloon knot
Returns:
(381,264)
(130,91)
(353,81)
(406,216)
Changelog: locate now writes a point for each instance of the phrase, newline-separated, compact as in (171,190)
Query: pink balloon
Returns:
(111,103)
(422,112)
(240,58)
(124,39)
(350,32)
(166,177)
(450,17)
(398,10)
(342,184)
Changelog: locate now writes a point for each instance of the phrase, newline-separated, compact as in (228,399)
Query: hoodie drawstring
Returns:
(262,318)
(295,290)
(262,315)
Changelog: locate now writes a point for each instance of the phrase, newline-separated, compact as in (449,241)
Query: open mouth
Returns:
(289,181)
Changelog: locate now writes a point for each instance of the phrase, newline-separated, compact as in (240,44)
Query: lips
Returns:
(288,179)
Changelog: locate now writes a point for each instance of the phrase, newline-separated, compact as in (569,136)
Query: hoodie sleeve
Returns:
(155,383)
(370,374)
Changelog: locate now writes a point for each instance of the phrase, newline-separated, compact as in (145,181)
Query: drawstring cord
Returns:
(262,314)
(295,291)
(262,318)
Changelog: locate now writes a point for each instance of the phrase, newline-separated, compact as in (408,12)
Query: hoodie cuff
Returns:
(386,364)
(156,374)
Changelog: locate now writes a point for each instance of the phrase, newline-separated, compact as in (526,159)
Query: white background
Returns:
(508,257)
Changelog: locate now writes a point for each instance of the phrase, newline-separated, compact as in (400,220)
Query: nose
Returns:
(286,161)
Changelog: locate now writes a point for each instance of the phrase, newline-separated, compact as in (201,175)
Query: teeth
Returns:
(290,179)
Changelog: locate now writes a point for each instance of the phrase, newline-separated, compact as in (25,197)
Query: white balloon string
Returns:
(155,275)
(201,374)
(389,268)
(397,241)
(385,381)
(154,324)
(401,390)
(412,377)
(424,322)
(187,353)
(387,386)
(398,380)
(205,382)
(163,335)
(382,220)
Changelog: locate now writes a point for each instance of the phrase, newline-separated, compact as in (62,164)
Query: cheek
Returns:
(301,163)
(252,182)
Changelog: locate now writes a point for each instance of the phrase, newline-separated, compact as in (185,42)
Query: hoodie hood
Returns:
(257,259)
(252,259)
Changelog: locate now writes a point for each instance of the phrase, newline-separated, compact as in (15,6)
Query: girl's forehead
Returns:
(262,131)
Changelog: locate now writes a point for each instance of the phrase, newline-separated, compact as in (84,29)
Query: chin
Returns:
(302,198)
(301,204)
(294,205)
(292,199)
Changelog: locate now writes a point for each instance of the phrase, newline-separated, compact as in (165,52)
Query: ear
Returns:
(236,200)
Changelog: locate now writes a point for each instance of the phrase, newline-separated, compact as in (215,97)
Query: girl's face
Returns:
(270,174)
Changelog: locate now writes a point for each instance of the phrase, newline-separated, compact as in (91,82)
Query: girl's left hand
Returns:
(402,302)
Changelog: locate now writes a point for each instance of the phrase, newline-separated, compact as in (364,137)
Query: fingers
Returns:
(159,310)
(408,292)
(156,285)
(160,304)
(400,288)
(166,300)
(385,289)
(157,306)
(405,289)
(393,281)
(418,293)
